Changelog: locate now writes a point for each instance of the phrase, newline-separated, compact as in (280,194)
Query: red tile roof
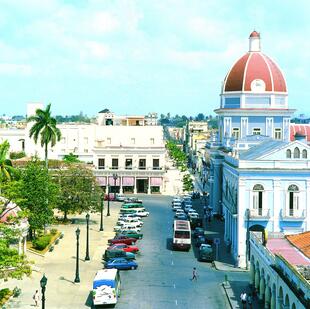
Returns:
(302,129)
(301,242)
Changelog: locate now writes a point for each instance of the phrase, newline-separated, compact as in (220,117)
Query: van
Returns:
(205,253)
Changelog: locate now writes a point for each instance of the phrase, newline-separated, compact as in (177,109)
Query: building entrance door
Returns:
(142,185)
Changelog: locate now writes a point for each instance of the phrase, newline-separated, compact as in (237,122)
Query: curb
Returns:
(223,287)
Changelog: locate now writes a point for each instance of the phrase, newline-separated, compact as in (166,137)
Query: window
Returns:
(128,164)
(236,133)
(156,164)
(304,154)
(101,165)
(258,199)
(277,133)
(114,164)
(296,153)
(288,153)
(293,192)
(152,141)
(133,141)
(256,131)
(142,164)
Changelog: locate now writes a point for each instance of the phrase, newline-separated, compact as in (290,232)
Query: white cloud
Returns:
(95,49)
(15,69)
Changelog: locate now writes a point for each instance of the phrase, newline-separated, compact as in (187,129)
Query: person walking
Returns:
(195,274)
(249,300)
(243,298)
(36,298)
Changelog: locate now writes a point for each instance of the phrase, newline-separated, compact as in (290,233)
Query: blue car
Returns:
(121,263)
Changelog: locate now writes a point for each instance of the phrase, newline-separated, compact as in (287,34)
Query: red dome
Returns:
(251,67)
(255,34)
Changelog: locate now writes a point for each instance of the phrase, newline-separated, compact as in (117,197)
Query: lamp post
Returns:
(247,212)
(87,258)
(43,283)
(101,212)
(77,276)
(108,211)
(115,178)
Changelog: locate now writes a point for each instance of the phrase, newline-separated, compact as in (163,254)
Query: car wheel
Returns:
(132,267)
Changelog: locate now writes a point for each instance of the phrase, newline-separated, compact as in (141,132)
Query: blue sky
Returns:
(136,56)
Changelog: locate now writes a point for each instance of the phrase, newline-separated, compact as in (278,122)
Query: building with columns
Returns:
(130,147)
(259,174)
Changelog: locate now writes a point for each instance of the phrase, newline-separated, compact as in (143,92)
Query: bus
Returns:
(132,205)
(181,235)
(106,287)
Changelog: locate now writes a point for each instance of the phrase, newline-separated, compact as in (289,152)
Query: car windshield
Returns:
(181,234)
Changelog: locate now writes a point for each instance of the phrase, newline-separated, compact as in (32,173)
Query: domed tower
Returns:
(254,98)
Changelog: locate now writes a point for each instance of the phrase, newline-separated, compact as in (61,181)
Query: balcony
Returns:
(123,171)
(293,215)
(260,214)
(101,167)
(142,167)
(114,167)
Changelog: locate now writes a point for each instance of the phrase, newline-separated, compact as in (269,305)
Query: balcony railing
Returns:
(142,167)
(293,215)
(260,214)
(101,167)
(122,171)
(114,167)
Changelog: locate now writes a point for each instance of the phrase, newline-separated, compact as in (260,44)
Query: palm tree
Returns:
(6,168)
(45,126)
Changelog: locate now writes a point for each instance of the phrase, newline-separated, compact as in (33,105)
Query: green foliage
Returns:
(17,291)
(5,295)
(12,265)
(187,183)
(79,190)
(71,158)
(42,242)
(73,118)
(53,231)
(178,156)
(17,155)
(45,127)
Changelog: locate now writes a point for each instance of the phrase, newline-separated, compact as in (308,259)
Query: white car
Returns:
(188,208)
(142,213)
(137,222)
(175,208)
(179,211)
(126,227)
(193,215)
(125,216)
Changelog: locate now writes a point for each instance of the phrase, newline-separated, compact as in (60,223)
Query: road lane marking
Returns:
(174,285)
(172,263)
(176,302)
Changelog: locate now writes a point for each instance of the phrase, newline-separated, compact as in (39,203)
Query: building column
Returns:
(273,300)
(252,273)
(257,279)
(135,186)
(277,206)
(261,288)
(267,297)
(280,302)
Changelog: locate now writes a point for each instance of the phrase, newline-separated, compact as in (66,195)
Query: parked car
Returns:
(142,213)
(121,263)
(130,233)
(201,239)
(188,208)
(182,216)
(129,220)
(120,197)
(124,247)
(176,207)
(132,200)
(205,253)
(128,227)
(198,231)
(122,239)
(192,211)
(195,222)
(125,216)
(193,215)
(112,254)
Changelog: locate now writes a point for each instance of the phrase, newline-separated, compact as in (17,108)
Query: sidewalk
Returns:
(59,266)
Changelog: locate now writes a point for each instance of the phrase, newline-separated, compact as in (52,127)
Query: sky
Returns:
(140,56)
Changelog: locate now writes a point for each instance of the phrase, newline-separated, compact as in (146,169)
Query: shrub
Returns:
(42,242)
(16,292)
(51,248)
(53,231)
(5,295)
(17,155)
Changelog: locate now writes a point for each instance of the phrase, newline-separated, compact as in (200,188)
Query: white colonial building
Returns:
(130,147)
(259,174)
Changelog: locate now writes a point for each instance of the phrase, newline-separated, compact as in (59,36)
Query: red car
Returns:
(124,247)
(122,240)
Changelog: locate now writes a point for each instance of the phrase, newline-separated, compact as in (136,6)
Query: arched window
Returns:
(258,199)
(288,153)
(293,200)
(304,154)
(296,153)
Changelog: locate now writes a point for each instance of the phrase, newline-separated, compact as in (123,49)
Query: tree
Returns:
(6,168)
(45,126)
(38,194)
(200,117)
(71,158)
(79,191)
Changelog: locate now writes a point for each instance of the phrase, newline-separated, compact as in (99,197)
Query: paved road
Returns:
(163,276)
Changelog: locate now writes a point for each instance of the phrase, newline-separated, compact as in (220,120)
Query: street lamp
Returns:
(43,283)
(115,178)
(77,276)
(247,212)
(108,211)
(101,212)
(87,238)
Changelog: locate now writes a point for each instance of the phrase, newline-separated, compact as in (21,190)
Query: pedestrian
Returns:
(195,274)
(249,300)
(36,298)
(237,261)
(243,298)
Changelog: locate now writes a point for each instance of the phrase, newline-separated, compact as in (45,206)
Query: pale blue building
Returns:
(259,179)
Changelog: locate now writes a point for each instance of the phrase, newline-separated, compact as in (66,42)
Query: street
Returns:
(162,279)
